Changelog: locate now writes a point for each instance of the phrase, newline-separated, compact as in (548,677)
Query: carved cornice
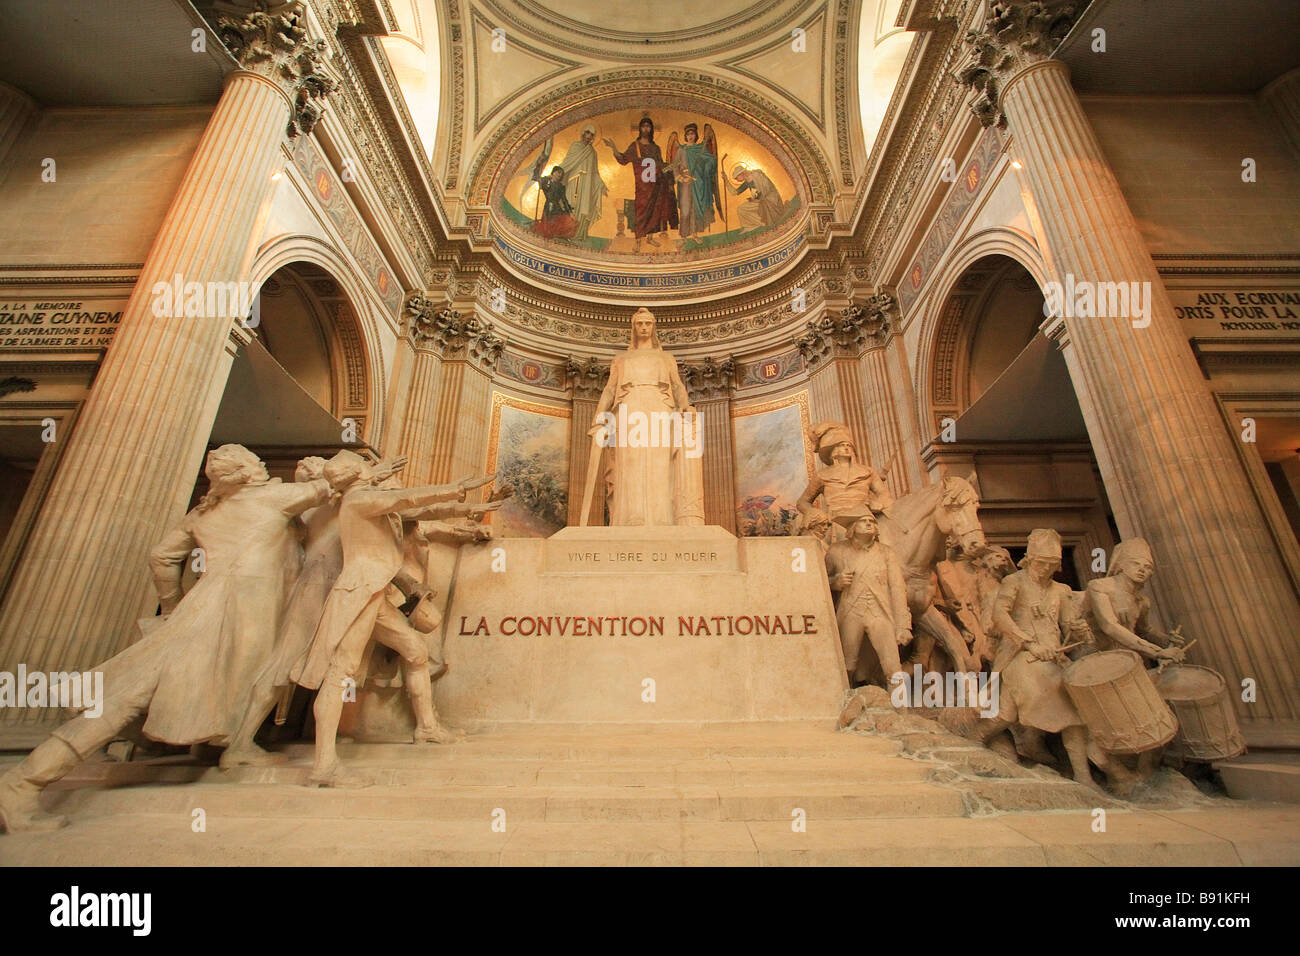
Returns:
(276,45)
(1016,34)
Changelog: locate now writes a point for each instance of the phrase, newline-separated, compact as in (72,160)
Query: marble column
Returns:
(131,462)
(470,350)
(831,346)
(419,417)
(16,110)
(586,380)
(1169,463)
(887,394)
(711,384)
(1281,99)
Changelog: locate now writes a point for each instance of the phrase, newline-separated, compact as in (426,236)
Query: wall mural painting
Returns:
(670,184)
(773,465)
(528,447)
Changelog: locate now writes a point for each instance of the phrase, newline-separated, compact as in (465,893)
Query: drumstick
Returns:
(1167,661)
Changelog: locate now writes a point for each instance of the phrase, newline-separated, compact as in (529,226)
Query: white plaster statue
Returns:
(643,407)
(192,672)
(873,596)
(358,608)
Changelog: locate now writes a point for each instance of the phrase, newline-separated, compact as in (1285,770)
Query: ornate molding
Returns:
(1016,34)
(842,33)
(442,329)
(276,46)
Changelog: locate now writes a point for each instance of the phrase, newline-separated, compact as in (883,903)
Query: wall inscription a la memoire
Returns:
(62,324)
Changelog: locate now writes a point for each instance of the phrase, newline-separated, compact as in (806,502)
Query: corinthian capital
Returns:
(709,379)
(274,43)
(1015,34)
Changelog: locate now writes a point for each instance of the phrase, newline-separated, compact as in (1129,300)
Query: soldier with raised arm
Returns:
(847,483)
(358,608)
(192,671)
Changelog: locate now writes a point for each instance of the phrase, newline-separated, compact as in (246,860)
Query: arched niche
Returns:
(322,327)
(988,308)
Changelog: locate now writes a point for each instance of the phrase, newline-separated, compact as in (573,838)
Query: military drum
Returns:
(1207,724)
(1118,702)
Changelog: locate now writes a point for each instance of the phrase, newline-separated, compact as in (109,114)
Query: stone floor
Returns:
(640,795)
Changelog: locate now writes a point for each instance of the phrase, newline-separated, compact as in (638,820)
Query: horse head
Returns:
(958,515)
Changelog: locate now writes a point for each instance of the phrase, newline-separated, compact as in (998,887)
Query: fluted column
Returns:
(470,350)
(711,384)
(1170,467)
(130,464)
(831,346)
(586,380)
(419,418)
(891,447)
(16,110)
(1281,98)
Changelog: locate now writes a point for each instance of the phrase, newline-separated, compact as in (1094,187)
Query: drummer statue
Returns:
(1116,609)
(1032,614)
(847,483)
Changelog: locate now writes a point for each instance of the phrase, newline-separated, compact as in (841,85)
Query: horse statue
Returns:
(918,527)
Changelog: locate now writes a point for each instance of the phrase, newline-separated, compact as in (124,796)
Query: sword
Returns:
(593,472)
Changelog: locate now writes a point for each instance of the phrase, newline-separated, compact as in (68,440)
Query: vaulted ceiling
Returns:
(487,81)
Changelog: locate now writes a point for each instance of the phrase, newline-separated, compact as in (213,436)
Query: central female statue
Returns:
(654,478)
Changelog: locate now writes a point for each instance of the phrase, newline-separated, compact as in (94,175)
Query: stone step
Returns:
(1232,837)
(659,747)
(1262,776)
(433,767)
(555,804)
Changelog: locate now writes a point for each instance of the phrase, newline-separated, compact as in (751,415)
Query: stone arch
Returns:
(350,319)
(948,319)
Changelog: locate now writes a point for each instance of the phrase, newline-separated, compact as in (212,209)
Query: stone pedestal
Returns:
(640,625)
